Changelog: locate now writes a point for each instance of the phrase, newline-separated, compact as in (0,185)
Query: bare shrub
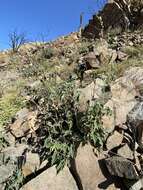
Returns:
(16,40)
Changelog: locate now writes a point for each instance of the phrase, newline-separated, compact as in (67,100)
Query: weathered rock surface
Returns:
(92,61)
(118,18)
(123,93)
(50,180)
(126,152)
(123,97)
(134,185)
(135,120)
(32,164)
(6,172)
(13,153)
(10,159)
(135,74)
(121,167)
(121,56)
(24,124)
(2,186)
(138,185)
(104,54)
(109,120)
(92,171)
(114,140)
(22,114)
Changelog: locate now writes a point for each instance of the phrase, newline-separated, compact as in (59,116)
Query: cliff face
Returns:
(121,14)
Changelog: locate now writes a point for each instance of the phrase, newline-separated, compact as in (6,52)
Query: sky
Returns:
(48,18)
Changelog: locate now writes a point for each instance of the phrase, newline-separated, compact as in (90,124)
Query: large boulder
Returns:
(135,74)
(123,98)
(118,18)
(91,170)
(121,167)
(50,180)
(135,120)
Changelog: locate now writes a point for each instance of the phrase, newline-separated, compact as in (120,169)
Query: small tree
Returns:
(16,40)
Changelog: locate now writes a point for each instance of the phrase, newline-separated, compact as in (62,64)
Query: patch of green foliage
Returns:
(38,69)
(47,53)
(92,124)
(10,103)
(60,131)
(84,48)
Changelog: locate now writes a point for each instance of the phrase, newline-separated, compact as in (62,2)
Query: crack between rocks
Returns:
(34,175)
(75,175)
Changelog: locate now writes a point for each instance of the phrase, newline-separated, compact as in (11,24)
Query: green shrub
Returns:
(60,130)
(92,124)
(47,53)
(38,69)
(33,70)
(84,47)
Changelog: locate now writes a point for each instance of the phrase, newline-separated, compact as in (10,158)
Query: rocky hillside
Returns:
(71,110)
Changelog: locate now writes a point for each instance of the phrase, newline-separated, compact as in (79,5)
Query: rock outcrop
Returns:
(115,14)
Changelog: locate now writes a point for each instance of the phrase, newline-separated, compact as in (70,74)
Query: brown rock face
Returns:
(104,20)
(117,19)
(115,14)
(94,28)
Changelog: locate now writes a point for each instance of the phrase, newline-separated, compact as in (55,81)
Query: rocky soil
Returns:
(101,151)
